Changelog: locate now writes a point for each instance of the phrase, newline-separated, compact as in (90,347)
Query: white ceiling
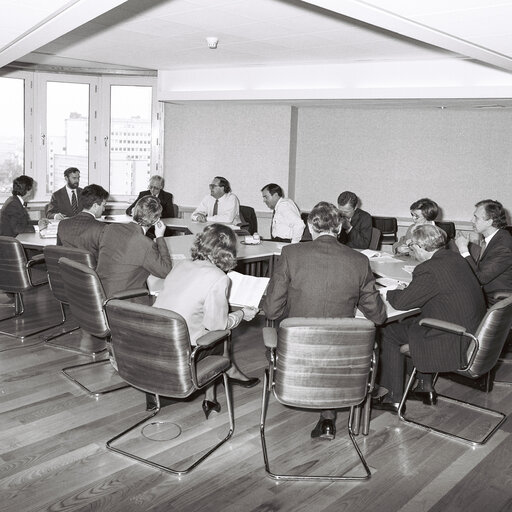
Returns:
(170,34)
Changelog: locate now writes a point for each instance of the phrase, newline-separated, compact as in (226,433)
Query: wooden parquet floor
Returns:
(53,455)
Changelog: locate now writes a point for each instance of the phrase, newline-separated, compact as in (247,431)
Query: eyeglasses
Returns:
(415,216)
(214,185)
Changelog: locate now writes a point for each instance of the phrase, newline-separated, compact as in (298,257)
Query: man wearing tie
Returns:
(286,225)
(492,261)
(220,206)
(66,202)
(357,224)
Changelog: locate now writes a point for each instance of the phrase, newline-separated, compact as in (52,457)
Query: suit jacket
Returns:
(494,269)
(197,290)
(323,278)
(444,288)
(127,257)
(361,233)
(82,231)
(165,199)
(14,218)
(60,203)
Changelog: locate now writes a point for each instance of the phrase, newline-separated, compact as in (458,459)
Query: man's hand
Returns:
(159,228)
(59,216)
(249,313)
(345,222)
(462,242)
(200,217)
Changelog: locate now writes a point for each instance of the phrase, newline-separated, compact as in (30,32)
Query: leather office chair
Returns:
(482,355)
(86,299)
(153,353)
(52,254)
(16,278)
(388,227)
(176,211)
(448,228)
(306,236)
(249,219)
(319,363)
(375,240)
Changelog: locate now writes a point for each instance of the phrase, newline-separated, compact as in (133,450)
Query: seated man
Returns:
(323,279)
(156,189)
(357,224)
(127,257)
(14,218)
(492,261)
(443,287)
(84,231)
(220,206)
(66,202)
(287,225)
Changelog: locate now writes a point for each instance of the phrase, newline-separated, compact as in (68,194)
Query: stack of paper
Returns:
(246,290)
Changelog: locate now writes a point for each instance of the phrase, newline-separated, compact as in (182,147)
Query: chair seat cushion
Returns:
(211,366)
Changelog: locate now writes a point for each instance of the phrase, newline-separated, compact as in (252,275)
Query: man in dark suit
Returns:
(14,218)
(66,202)
(127,257)
(156,189)
(323,278)
(492,260)
(443,287)
(84,231)
(357,224)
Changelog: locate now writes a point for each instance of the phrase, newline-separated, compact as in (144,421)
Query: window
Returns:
(12,137)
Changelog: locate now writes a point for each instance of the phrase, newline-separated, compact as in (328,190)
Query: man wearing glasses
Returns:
(156,189)
(220,206)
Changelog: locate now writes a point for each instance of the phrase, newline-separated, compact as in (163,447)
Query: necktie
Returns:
(272,224)
(483,245)
(74,203)
(216,207)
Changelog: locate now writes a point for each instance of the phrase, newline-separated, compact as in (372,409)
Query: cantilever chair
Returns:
(87,299)
(319,363)
(388,227)
(16,278)
(52,254)
(375,240)
(249,219)
(482,355)
(448,228)
(153,353)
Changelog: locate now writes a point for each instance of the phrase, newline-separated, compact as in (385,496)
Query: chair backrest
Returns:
(388,227)
(323,362)
(509,229)
(491,334)
(85,296)
(52,254)
(152,348)
(306,235)
(375,240)
(14,277)
(176,210)
(448,228)
(248,215)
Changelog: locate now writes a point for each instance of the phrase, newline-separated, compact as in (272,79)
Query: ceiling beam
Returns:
(388,20)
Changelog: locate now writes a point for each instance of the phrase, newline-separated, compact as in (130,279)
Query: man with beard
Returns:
(66,202)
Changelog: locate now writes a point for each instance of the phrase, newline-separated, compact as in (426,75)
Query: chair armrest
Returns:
(210,338)
(443,326)
(37,259)
(128,294)
(270,337)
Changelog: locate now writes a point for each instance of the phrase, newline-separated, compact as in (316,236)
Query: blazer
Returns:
(14,218)
(197,290)
(494,269)
(60,203)
(82,231)
(444,288)
(165,199)
(323,278)
(127,257)
(361,233)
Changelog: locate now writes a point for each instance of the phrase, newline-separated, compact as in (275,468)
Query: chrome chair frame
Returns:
(18,306)
(206,342)
(271,341)
(467,371)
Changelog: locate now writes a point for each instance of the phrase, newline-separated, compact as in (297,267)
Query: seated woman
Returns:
(423,211)
(198,291)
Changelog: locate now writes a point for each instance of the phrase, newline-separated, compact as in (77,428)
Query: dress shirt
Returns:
(286,221)
(228,209)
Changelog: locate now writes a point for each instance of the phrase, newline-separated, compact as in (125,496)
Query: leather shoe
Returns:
(380,405)
(427,397)
(209,406)
(249,383)
(325,429)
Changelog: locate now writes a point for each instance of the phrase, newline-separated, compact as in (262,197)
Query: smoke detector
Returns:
(212,42)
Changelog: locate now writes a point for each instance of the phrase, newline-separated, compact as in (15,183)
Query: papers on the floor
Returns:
(373,255)
(50,231)
(246,290)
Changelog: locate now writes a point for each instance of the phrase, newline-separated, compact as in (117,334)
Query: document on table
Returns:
(373,255)
(50,231)
(246,290)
